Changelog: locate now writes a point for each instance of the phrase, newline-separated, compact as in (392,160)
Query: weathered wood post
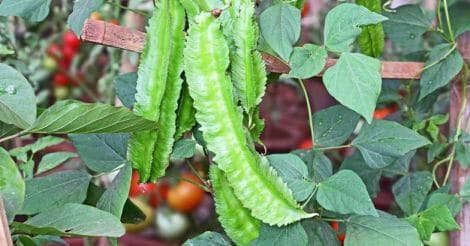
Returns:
(5,237)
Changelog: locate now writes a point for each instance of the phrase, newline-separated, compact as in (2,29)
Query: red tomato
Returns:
(335,227)
(60,79)
(185,196)
(68,52)
(305,9)
(137,189)
(306,144)
(384,112)
(71,40)
(54,50)
(160,194)
(64,63)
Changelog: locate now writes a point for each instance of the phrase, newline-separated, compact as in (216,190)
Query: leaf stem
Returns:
(454,46)
(449,25)
(310,197)
(335,147)
(309,109)
(193,170)
(19,134)
(336,220)
(126,8)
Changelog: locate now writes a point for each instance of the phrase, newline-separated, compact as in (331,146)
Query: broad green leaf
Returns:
(75,220)
(307,61)
(435,150)
(292,234)
(382,142)
(21,153)
(280,27)
(458,13)
(114,198)
(343,24)
(52,160)
(424,227)
(441,216)
(12,186)
(410,191)
(24,240)
(71,116)
(452,202)
(43,239)
(370,176)
(462,154)
(184,148)
(30,10)
(371,39)
(442,67)
(345,193)
(7,129)
(465,192)
(208,238)
(333,126)
(294,172)
(82,9)
(406,25)
(319,166)
(401,165)
(320,233)
(17,100)
(55,190)
(355,81)
(384,230)
(125,87)
(101,152)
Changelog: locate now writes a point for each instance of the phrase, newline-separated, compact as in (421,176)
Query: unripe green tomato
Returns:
(61,92)
(438,239)
(49,64)
(170,224)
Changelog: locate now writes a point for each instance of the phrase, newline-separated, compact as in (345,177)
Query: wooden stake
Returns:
(5,237)
(105,33)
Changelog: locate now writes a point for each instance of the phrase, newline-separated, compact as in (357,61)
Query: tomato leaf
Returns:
(82,9)
(17,100)
(320,233)
(333,126)
(30,10)
(384,230)
(280,27)
(12,186)
(52,160)
(84,221)
(410,191)
(355,81)
(406,25)
(208,238)
(184,148)
(307,61)
(343,24)
(102,152)
(345,193)
(382,142)
(446,67)
(292,234)
(71,116)
(55,190)
(125,87)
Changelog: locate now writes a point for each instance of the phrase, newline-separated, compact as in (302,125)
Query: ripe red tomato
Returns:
(60,79)
(54,50)
(335,227)
(71,40)
(137,189)
(382,113)
(306,144)
(68,53)
(305,9)
(185,196)
(160,194)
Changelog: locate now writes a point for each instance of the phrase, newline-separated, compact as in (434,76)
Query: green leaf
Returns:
(355,81)
(184,148)
(320,233)
(280,27)
(458,14)
(71,116)
(384,230)
(446,66)
(424,227)
(55,190)
(7,129)
(30,10)
(452,202)
(462,154)
(21,153)
(208,238)
(307,61)
(406,25)
(44,239)
(435,150)
(74,220)
(17,100)
(384,141)
(465,192)
(371,39)
(410,191)
(101,152)
(441,216)
(125,87)
(12,186)
(82,9)
(292,234)
(345,193)
(370,176)
(319,166)
(294,172)
(401,165)
(52,160)
(114,198)
(343,24)
(333,126)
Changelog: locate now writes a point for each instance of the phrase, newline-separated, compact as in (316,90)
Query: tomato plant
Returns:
(196,98)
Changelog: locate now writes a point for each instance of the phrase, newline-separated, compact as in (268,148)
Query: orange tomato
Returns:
(382,113)
(185,196)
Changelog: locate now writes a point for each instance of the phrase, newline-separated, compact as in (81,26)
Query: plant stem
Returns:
(310,197)
(335,147)
(454,46)
(309,109)
(196,172)
(19,134)
(449,25)
(126,8)
(337,220)
(439,16)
